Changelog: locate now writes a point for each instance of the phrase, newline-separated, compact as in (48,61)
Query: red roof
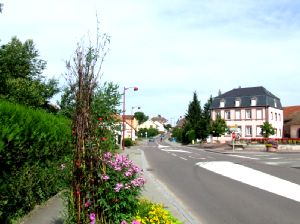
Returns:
(288,111)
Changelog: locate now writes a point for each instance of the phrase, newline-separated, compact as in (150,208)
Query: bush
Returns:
(35,158)
(128,142)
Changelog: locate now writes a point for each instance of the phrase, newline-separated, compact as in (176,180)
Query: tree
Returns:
(21,80)
(267,129)
(218,127)
(141,117)
(193,120)
(177,134)
(205,120)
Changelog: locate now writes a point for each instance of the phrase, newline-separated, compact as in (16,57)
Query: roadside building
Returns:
(246,109)
(291,125)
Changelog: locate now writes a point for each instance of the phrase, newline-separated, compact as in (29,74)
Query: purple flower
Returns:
(118,187)
(123,222)
(128,173)
(135,222)
(105,177)
(92,218)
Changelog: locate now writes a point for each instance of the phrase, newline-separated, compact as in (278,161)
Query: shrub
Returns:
(128,142)
(35,157)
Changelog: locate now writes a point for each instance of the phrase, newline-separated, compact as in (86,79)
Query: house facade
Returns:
(291,125)
(152,124)
(246,109)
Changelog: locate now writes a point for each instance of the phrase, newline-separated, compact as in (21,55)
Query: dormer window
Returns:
(238,102)
(253,102)
(222,103)
(275,103)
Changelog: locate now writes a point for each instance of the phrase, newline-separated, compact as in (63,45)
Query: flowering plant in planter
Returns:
(271,144)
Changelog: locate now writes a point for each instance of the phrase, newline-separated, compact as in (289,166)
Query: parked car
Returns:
(151,139)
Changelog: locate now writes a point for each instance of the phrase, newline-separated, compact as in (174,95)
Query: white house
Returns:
(246,109)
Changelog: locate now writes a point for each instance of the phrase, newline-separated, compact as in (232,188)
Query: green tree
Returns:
(205,120)
(141,117)
(21,77)
(218,127)
(193,120)
(177,133)
(267,129)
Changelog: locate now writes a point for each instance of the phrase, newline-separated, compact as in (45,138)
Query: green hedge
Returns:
(33,147)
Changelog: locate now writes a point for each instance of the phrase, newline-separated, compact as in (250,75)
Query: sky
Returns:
(169,49)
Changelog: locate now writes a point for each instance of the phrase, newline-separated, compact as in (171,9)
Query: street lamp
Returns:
(123,117)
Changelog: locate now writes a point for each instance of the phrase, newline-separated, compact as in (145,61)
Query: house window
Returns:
(258,130)
(237,102)
(253,102)
(271,115)
(248,114)
(222,103)
(238,115)
(248,131)
(218,113)
(279,117)
(227,115)
(259,114)
(279,132)
(275,116)
(239,131)
(275,103)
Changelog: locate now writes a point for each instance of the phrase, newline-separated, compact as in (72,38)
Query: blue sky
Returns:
(170,48)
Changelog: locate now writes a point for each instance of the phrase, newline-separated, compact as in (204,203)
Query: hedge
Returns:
(35,158)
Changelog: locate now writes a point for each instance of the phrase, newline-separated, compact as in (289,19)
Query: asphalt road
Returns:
(239,188)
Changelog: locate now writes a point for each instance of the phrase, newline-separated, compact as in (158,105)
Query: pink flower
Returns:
(87,204)
(105,177)
(123,222)
(92,218)
(135,222)
(118,187)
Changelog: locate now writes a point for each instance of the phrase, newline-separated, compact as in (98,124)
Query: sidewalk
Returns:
(154,190)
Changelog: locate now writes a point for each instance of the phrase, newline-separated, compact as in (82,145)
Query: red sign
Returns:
(233,135)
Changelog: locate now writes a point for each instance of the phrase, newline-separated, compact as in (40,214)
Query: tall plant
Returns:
(83,74)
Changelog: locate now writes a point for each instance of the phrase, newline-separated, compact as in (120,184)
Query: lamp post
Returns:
(123,117)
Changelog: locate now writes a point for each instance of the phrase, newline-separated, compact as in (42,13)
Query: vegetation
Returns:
(128,142)
(149,212)
(35,153)
(267,130)
(21,80)
(218,127)
(197,125)
(141,117)
(147,132)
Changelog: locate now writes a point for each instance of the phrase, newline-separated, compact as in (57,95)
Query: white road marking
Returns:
(182,158)
(173,154)
(245,157)
(192,157)
(174,150)
(275,163)
(163,146)
(275,158)
(254,178)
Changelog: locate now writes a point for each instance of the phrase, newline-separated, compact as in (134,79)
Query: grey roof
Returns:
(264,98)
